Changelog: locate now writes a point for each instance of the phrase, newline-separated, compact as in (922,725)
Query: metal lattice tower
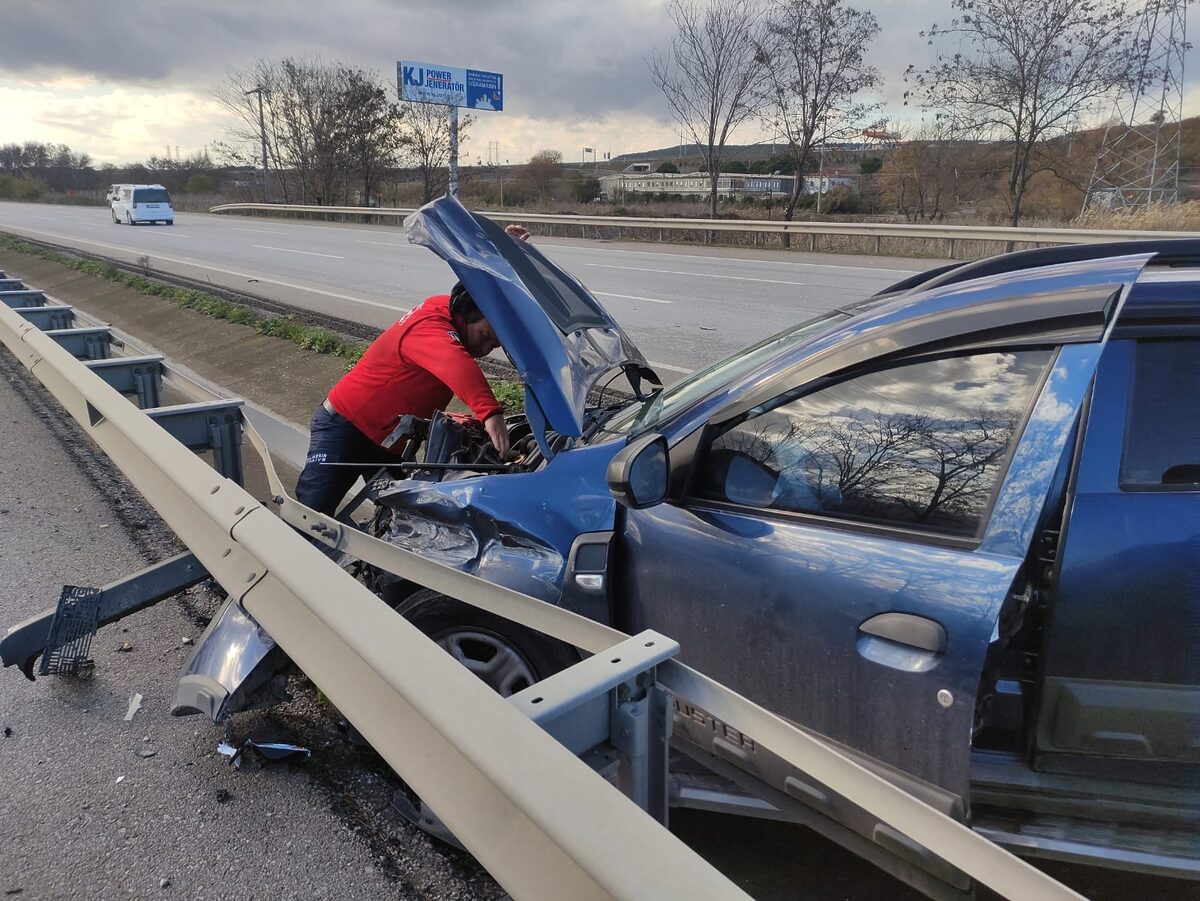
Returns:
(1138,162)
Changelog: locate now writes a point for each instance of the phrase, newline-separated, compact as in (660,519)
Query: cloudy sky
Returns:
(122,81)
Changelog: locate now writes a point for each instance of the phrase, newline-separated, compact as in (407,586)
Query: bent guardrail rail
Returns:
(949,233)
(539,820)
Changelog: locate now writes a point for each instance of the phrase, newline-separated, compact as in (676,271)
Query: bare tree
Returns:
(242,135)
(543,173)
(368,128)
(711,73)
(1024,71)
(306,97)
(922,177)
(818,69)
(426,143)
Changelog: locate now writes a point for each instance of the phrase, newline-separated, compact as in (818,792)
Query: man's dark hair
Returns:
(462,305)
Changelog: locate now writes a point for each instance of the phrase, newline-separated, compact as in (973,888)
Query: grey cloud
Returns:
(562,60)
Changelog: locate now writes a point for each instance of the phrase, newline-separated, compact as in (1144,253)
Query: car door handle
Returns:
(907,629)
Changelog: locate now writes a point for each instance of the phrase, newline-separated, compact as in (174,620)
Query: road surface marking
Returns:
(307,253)
(740,278)
(681,369)
(697,256)
(261,231)
(385,243)
(631,297)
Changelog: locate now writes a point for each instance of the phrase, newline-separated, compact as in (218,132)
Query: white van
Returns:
(142,203)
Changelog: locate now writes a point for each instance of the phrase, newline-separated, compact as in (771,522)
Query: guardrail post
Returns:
(92,343)
(812,242)
(611,702)
(877,244)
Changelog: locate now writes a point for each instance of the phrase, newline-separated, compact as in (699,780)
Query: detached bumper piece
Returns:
(71,636)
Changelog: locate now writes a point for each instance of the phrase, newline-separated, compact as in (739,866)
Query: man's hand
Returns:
(520,232)
(497,431)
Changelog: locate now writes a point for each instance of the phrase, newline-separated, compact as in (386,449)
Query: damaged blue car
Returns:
(953,529)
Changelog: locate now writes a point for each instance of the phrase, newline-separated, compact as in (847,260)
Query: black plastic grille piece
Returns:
(71,632)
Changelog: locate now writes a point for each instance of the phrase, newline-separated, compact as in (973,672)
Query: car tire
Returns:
(508,657)
(128,218)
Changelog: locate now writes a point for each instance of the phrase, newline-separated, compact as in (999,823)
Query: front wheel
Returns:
(505,655)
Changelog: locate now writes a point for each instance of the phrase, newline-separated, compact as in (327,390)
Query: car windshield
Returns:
(661,405)
(151,195)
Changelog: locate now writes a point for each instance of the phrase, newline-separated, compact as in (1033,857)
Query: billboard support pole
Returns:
(453,189)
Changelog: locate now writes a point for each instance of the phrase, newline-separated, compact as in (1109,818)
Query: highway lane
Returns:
(683,306)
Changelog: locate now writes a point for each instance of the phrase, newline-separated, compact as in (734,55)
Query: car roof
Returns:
(1168,252)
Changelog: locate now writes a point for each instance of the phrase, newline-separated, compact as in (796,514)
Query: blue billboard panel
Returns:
(450,86)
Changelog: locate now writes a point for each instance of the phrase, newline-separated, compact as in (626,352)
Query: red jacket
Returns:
(414,367)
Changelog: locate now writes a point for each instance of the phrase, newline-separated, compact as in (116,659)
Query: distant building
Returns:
(826,183)
(692,184)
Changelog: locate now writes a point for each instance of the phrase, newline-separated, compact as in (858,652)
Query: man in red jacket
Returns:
(414,367)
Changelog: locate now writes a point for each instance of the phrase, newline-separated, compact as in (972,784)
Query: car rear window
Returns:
(151,195)
(1162,428)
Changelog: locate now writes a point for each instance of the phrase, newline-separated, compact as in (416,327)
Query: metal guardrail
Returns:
(540,820)
(537,818)
(952,234)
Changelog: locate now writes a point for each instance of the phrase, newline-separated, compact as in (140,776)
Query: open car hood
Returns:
(556,334)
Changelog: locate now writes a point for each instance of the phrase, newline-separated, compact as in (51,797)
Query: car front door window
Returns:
(920,446)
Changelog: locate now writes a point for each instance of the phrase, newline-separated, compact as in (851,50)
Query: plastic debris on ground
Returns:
(135,704)
(268,750)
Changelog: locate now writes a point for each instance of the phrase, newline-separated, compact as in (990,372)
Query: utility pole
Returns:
(262,133)
(452,187)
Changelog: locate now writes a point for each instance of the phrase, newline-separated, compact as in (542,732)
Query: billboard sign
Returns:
(450,86)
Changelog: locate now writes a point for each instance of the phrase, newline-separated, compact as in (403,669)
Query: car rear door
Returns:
(1124,704)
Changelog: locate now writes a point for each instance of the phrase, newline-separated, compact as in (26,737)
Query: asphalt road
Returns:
(683,306)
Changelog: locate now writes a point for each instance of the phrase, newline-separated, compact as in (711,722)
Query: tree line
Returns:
(1014,75)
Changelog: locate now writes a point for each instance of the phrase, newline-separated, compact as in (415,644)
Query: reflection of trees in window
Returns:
(851,450)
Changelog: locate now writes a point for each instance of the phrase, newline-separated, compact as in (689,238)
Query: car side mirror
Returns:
(639,474)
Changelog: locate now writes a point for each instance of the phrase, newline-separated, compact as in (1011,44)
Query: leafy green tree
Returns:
(668,168)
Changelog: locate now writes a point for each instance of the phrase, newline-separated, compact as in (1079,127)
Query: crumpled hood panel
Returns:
(559,338)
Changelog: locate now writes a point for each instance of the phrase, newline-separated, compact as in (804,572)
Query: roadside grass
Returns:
(1159,217)
(319,340)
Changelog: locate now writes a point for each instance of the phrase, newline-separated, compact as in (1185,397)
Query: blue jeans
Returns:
(333,439)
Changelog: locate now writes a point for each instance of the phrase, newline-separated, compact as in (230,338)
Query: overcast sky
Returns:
(122,81)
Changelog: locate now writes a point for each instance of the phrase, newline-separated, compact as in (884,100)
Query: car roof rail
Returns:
(1168,251)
